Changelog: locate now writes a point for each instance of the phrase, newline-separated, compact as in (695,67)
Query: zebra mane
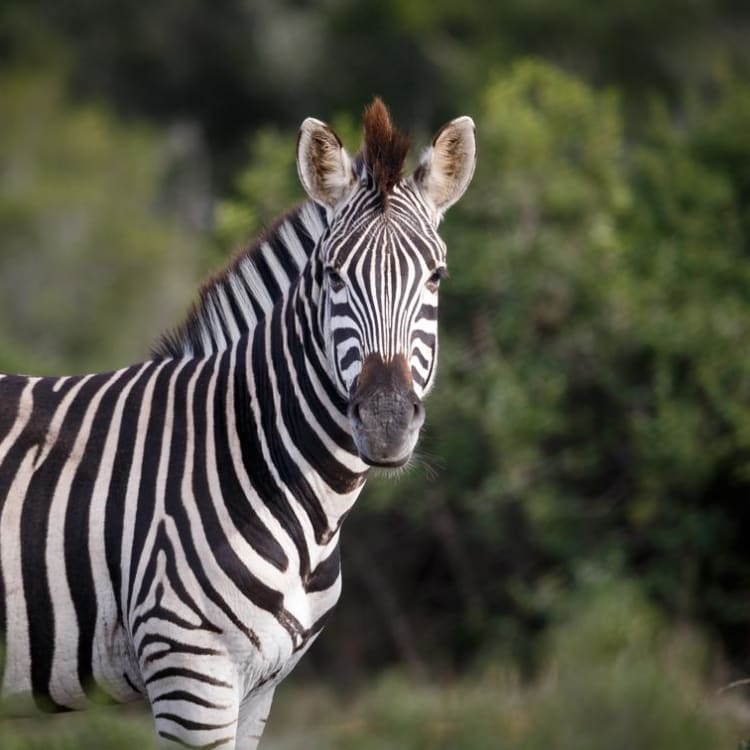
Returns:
(234,300)
(385,148)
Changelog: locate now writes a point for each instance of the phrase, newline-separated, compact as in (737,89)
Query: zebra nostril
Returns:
(417,419)
(354,415)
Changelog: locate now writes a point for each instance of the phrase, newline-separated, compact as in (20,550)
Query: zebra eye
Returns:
(335,280)
(436,277)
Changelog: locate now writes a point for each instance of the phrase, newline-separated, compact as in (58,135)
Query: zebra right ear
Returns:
(324,167)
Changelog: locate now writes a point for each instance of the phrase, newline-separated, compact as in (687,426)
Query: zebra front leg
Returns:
(253,714)
(193,709)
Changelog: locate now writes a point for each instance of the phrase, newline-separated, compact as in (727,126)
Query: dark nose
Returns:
(396,412)
(385,425)
(385,412)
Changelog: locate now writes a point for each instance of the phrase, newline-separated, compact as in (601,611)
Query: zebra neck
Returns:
(286,399)
(239,297)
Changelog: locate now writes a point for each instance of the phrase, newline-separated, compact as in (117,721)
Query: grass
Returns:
(613,676)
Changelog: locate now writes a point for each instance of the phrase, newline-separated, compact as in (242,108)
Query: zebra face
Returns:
(380,294)
(382,262)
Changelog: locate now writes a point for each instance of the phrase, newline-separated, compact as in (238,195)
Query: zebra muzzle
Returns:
(385,412)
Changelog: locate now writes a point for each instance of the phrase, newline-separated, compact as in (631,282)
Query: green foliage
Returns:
(267,183)
(96,729)
(236,66)
(606,312)
(88,237)
(615,677)
(593,401)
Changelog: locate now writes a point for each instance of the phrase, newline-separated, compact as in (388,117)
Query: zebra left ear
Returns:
(324,167)
(446,168)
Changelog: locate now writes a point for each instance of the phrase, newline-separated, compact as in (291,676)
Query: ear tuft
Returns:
(447,167)
(323,165)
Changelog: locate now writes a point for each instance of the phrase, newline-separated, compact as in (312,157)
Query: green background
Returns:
(566,564)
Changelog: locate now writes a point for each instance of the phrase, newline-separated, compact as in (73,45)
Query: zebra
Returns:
(170,530)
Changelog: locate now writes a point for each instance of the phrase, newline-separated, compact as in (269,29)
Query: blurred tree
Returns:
(615,676)
(593,403)
(232,65)
(99,229)
(227,65)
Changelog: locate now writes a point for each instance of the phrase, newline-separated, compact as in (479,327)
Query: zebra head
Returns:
(382,262)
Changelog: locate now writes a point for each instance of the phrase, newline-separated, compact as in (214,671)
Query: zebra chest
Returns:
(284,634)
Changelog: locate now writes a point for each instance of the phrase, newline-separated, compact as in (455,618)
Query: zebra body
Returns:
(171,530)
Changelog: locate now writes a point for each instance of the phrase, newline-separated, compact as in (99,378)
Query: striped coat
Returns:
(171,530)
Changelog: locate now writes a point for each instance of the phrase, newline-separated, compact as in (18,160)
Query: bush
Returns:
(95,235)
(615,677)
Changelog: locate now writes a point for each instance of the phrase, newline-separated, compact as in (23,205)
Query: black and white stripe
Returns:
(386,306)
(170,530)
